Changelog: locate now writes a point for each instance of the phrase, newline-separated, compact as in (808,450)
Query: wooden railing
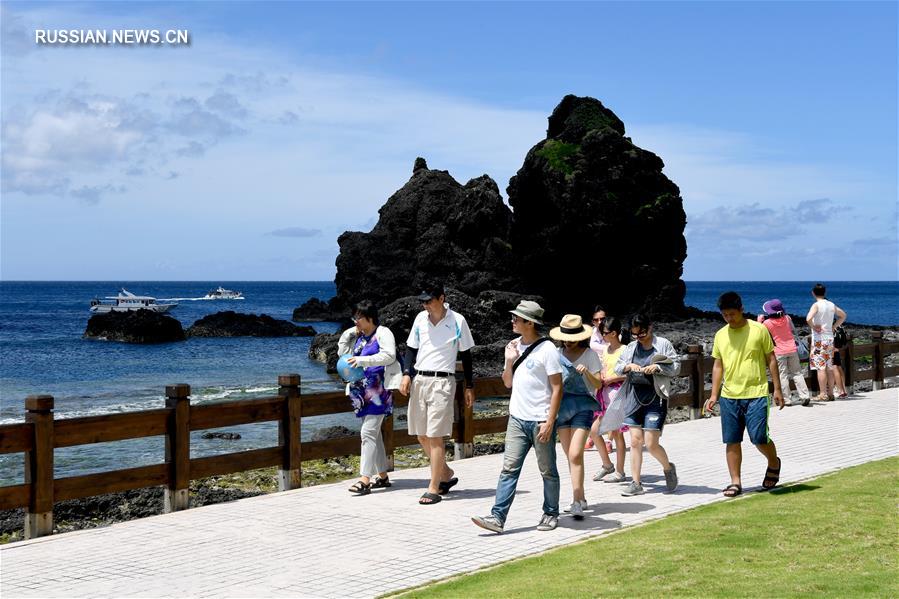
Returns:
(41,434)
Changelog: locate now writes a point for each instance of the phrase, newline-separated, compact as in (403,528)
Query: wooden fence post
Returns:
(387,437)
(697,381)
(464,441)
(290,473)
(877,337)
(39,466)
(848,357)
(177,448)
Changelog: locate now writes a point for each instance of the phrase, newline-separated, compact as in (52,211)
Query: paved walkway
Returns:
(323,542)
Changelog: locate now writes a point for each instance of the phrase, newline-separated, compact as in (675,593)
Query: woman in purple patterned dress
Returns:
(373,348)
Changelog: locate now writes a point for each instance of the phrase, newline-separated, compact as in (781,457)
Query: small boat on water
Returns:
(222,293)
(126,301)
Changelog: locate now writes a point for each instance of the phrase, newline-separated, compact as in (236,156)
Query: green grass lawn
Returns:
(835,536)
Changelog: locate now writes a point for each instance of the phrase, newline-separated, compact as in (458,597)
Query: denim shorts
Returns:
(576,411)
(749,414)
(649,417)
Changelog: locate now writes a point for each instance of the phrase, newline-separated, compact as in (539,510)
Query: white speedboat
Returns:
(126,301)
(222,293)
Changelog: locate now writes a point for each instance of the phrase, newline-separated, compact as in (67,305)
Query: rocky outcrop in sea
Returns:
(137,326)
(235,324)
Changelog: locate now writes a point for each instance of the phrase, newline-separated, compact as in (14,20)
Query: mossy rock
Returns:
(559,155)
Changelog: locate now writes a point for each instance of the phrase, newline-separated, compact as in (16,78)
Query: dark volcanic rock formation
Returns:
(315,310)
(432,228)
(324,349)
(588,191)
(234,324)
(595,221)
(139,326)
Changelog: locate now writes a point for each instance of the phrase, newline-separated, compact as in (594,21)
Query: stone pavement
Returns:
(323,542)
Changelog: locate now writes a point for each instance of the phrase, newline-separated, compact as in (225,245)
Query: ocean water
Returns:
(41,351)
(865,302)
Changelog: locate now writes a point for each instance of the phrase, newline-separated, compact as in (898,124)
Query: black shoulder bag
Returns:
(527,352)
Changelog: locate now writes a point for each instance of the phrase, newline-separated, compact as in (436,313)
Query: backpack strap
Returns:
(530,348)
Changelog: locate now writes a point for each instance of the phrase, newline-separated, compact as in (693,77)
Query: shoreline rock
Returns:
(137,326)
(236,324)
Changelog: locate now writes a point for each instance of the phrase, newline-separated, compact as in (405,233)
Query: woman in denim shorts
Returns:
(648,362)
(581,377)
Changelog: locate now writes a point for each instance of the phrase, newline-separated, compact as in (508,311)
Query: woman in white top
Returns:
(581,377)
(821,319)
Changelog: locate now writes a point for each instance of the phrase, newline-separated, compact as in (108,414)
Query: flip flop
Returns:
(732,490)
(772,477)
(429,499)
(446,485)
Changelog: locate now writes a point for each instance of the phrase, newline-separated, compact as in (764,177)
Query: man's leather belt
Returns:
(444,375)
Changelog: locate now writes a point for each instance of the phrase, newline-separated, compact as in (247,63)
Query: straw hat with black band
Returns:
(572,328)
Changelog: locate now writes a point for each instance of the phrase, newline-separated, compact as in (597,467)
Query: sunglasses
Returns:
(640,335)
(517,319)
(598,320)
(604,333)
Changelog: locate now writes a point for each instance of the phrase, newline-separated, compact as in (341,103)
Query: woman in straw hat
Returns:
(581,378)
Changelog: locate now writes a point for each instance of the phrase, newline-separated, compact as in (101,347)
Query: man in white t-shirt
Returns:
(438,336)
(534,374)
(820,318)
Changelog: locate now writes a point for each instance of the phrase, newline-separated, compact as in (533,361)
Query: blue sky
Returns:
(244,155)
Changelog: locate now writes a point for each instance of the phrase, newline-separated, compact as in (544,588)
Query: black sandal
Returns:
(446,485)
(381,483)
(429,499)
(360,488)
(772,477)
(732,490)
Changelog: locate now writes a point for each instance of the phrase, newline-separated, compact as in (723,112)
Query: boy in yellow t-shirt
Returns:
(742,351)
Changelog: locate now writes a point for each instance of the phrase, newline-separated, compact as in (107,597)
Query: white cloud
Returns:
(295,232)
(220,138)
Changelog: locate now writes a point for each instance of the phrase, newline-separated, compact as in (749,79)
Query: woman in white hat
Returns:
(581,377)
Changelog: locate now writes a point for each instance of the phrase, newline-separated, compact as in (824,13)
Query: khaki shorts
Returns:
(430,410)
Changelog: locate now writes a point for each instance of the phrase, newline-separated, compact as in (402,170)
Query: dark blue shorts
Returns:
(650,417)
(576,411)
(749,414)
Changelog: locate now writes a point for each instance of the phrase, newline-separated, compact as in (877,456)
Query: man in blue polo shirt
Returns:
(438,336)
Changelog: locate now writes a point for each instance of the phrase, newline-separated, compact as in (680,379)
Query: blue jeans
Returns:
(521,435)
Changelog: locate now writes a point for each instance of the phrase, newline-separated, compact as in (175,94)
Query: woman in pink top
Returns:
(778,323)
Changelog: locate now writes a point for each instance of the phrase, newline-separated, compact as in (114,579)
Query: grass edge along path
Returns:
(836,535)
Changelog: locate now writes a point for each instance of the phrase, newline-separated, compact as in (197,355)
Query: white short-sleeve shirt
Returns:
(438,344)
(531,391)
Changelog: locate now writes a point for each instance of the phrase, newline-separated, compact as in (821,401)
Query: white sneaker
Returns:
(614,477)
(548,522)
(577,510)
(604,471)
(570,509)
